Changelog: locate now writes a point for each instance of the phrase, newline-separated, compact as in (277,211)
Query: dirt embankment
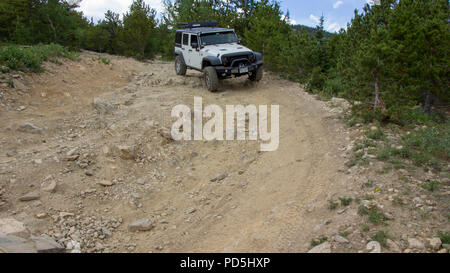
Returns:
(85,165)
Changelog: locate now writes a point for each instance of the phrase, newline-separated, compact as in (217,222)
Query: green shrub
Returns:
(444,236)
(381,237)
(432,185)
(345,201)
(318,241)
(332,205)
(375,216)
(428,145)
(15,57)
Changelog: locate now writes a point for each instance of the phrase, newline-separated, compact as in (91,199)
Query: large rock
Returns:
(415,244)
(434,243)
(322,248)
(30,128)
(141,225)
(10,226)
(374,247)
(13,244)
(19,85)
(103,106)
(45,244)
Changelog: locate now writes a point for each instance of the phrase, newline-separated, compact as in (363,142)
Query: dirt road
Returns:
(111,167)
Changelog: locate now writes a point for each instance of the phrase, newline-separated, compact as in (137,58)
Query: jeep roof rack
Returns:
(198,24)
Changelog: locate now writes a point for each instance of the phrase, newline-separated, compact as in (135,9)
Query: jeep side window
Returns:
(194,39)
(178,39)
(185,39)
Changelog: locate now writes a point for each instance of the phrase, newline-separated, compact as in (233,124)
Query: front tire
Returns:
(257,75)
(211,78)
(180,67)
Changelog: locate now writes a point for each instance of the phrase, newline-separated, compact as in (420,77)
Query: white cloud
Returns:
(97,8)
(290,21)
(314,18)
(337,4)
(328,25)
(333,27)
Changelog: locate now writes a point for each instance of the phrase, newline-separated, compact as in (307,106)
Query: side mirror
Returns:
(194,45)
(239,41)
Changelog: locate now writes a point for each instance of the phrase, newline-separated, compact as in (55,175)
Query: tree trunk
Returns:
(377,92)
(427,105)
(377,86)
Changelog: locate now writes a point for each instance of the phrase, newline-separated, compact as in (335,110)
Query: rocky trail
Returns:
(86,165)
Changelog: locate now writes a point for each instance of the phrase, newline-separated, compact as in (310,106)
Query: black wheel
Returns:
(211,78)
(180,67)
(257,75)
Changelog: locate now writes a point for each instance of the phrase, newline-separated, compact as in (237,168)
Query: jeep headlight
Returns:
(225,61)
(252,58)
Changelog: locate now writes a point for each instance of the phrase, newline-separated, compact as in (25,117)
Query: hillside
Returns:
(87,166)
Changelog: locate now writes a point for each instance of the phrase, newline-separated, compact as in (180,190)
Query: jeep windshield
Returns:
(217,38)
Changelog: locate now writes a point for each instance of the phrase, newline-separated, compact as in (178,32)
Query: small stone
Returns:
(41,215)
(415,244)
(140,181)
(322,248)
(190,210)
(389,216)
(141,225)
(30,128)
(105,183)
(443,251)
(63,214)
(73,157)
(103,106)
(165,133)
(49,186)
(218,177)
(89,173)
(393,246)
(341,239)
(126,152)
(72,152)
(30,197)
(374,247)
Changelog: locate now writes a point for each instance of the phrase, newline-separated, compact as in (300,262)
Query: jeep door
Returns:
(195,57)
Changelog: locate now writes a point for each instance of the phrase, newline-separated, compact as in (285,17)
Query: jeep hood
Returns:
(223,49)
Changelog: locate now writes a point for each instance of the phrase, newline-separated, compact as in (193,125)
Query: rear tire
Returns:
(180,66)
(211,78)
(257,75)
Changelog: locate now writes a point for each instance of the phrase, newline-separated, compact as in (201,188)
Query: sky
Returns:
(337,13)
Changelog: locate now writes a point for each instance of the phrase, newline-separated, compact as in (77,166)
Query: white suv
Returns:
(216,52)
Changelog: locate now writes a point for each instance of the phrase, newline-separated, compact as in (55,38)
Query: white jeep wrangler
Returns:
(216,52)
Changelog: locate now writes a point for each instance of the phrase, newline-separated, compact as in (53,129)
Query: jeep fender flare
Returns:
(179,53)
(210,61)
(259,56)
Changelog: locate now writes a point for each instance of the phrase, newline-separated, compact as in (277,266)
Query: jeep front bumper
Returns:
(224,71)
